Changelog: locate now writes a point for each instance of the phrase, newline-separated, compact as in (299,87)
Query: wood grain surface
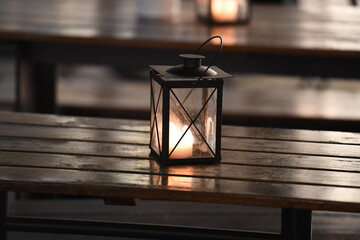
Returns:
(109,158)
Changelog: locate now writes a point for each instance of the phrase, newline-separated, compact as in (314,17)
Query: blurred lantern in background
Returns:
(223,11)
(186,111)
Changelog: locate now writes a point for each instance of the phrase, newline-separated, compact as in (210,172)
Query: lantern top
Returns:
(191,56)
(191,68)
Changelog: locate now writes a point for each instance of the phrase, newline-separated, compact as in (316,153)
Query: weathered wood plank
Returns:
(218,171)
(291,134)
(79,162)
(7,118)
(145,186)
(229,157)
(70,133)
(80,122)
(125,150)
(291,161)
(75,147)
(276,146)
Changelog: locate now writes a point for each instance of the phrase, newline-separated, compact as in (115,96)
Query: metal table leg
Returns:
(296,224)
(3,214)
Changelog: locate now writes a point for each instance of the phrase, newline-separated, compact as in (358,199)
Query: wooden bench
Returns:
(249,99)
(296,170)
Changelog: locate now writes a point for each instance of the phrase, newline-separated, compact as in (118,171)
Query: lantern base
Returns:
(186,161)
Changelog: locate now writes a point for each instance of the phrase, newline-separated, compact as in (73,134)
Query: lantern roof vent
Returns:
(191,68)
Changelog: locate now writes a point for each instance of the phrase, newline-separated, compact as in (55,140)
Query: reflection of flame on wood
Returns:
(182,182)
(162,178)
(183,179)
(203,181)
(155,169)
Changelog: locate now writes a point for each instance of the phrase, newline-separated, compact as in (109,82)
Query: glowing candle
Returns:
(224,10)
(185,148)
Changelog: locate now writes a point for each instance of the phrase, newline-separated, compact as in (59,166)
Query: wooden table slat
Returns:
(75,147)
(28,120)
(68,121)
(79,134)
(241,158)
(219,171)
(146,186)
(291,161)
(292,135)
(276,146)
(131,150)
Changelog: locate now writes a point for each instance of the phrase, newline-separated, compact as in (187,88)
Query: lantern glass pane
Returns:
(156,116)
(207,120)
(190,112)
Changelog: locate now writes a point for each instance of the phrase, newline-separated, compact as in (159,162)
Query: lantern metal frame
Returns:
(190,75)
(167,84)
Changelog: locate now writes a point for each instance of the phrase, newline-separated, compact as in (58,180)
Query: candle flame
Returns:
(185,147)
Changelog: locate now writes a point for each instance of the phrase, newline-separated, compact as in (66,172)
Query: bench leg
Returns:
(296,224)
(35,83)
(3,214)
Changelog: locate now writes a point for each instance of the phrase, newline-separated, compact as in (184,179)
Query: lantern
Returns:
(186,110)
(223,11)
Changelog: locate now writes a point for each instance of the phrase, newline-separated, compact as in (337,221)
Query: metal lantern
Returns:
(223,11)
(186,109)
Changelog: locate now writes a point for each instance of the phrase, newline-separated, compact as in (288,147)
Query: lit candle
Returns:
(224,10)
(185,147)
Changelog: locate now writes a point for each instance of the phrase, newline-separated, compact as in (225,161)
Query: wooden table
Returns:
(309,39)
(296,170)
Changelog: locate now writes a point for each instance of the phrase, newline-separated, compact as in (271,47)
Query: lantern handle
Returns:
(215,57)
(211,63)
